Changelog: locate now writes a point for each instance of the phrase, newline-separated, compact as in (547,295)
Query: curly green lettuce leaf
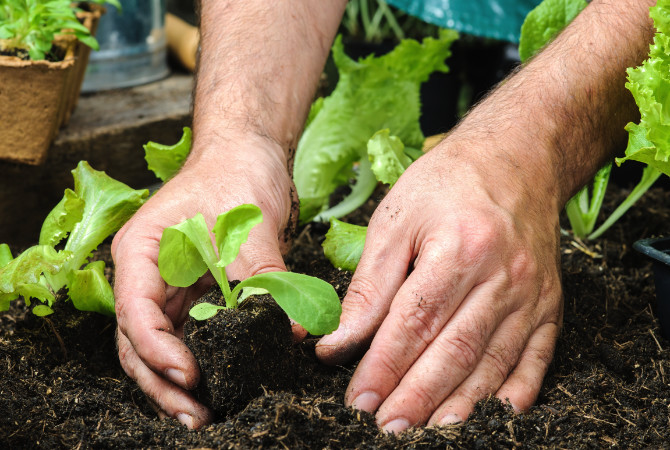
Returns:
(387,155)
(90,290)
(108,204)
(166,160)
(372,94)
(344,244)
(544,22)
(62,219)
(22,276)
(649,141)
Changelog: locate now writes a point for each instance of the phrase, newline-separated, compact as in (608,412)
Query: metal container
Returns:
(132,47)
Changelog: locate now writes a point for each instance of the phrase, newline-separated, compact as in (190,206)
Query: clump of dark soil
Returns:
(61,385)
(241,352)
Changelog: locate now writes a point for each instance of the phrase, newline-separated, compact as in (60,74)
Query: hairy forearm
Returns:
(259,67)
(563,114)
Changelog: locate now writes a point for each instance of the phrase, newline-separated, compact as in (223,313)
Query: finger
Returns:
(412,383)
(498,360)
(140,306)
(524,383)
(380,273)
(174,401)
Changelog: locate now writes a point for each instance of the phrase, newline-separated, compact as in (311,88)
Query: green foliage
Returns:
(166,160)
(344,243)
(649,141)
(32,25)
(98,207)
(186,253)
(373,93)
(544,22)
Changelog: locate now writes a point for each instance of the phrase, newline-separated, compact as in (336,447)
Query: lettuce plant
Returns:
(387,159)
(187,252)
(98,207)
(166,160)
(32,25)
(649,141)
(373,93)
(541,25)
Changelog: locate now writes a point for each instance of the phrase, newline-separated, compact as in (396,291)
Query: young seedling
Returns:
(98,207)
(32,25)
(186,253)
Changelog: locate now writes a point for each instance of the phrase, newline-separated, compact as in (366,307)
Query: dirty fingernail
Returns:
(366,401)
(176,376)
(396,426)
(450,419)
(185,419)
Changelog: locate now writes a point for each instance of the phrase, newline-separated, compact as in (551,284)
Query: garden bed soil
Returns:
(61,385)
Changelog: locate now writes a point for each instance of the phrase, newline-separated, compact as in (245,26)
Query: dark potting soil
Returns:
(61,385)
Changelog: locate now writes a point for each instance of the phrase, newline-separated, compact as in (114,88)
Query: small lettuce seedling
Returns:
(186,253)
(98,207)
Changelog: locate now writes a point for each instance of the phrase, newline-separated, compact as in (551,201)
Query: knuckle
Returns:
(480,238)
(419,321)
(360,295)
(462,351)
(501,359)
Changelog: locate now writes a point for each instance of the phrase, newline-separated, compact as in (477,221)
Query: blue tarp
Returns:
(497,19)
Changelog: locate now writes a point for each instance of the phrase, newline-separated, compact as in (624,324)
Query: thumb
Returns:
(380,273)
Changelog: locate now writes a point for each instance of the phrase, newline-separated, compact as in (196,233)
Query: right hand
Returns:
(151,314)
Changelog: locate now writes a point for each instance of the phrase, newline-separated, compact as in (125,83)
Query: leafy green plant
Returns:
(649,141)
(372,94)
(344,242)
(187,252)
(541,25)
(166,160)
(32,25)
(98,207)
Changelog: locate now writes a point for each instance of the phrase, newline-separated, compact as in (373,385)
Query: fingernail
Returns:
(185,419)
(332,339)
(367,401)
(450,419)
(396,426)
(176,376)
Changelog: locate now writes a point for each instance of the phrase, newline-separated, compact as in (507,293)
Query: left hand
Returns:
(457,292)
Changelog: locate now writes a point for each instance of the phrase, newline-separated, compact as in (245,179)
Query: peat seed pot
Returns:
(38,97)
(658,249)
(241,352)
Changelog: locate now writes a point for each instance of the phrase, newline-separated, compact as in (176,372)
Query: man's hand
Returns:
(458,290)
(151,314)
(480,310)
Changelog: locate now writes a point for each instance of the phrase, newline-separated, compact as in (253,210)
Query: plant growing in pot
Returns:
(241,350)
(44,47)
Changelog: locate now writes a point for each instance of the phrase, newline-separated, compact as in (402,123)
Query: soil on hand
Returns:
(61,385)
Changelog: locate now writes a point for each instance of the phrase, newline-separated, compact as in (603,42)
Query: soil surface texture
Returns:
(61,385)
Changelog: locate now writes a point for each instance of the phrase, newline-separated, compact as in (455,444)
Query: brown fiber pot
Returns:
(38,97)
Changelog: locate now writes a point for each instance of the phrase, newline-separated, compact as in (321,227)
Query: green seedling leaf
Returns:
(42,310)
(310,301)
(62,219)
(544,22)
(344,244)
(186,252)
(387,156)
(5,255)
(108,204)
(90,290)
(22,275)
(232,230)
(249,291)
(166,160)
(204,311)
